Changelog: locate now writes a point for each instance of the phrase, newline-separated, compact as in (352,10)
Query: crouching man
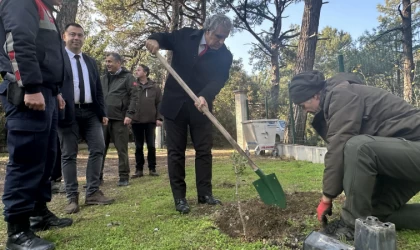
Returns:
(373,147)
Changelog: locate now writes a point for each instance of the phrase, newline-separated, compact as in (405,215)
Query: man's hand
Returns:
(324,209)
(202,103)
(61,102)
(105,121)
(159,123)
(127,121)
(152,46)
(35,101)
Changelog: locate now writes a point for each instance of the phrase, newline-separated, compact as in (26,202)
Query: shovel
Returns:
(268,186)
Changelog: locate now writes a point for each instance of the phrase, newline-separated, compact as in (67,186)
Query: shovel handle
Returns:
(206,111)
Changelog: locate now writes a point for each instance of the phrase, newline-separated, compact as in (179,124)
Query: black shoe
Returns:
(338,229)
(123,182)
(209,199)
(27,240)
(47,220)
(137,174)
(153,173)
(182,206)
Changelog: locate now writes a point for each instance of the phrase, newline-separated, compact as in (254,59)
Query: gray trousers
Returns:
(381,175)
(88,125)
(119,133)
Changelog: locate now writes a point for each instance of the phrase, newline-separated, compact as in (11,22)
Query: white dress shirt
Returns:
(88,93)
(202,45)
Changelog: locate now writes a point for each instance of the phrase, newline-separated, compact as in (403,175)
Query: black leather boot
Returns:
(43,219)
(181,205)
(209,199)
(20,237)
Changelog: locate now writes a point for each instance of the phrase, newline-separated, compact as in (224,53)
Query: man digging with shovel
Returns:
(201,58)
(373,147)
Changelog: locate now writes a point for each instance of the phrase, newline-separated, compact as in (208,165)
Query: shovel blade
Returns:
(270,190)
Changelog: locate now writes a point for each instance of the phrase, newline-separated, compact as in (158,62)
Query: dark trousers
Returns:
(89,127)
(146,131)
(32,145)
(176,139)
(56,173)
(380,176)
(119,133)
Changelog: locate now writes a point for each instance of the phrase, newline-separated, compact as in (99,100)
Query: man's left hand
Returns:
(202,103)
(159,123)
(61,102)
(324,209)
(127,121)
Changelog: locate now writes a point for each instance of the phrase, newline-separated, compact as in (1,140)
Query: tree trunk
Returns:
(175,23)
(203,10)
(275,80)
(407,50)
(67,14)
(305,58)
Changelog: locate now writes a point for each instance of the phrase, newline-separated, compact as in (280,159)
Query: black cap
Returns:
(305,85)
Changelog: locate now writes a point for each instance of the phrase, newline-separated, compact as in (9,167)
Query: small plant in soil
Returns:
(239,165)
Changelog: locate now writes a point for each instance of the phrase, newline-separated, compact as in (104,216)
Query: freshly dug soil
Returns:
(273,225)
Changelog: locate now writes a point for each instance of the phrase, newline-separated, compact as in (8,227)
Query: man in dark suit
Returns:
(84,115)
(203,62)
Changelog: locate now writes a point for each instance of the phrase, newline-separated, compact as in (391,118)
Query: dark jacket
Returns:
(205,75)
(350,109)
(149,97)
(68,90)
(32,44)
(120,99)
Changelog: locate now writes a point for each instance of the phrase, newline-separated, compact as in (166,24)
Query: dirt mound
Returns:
(275,226)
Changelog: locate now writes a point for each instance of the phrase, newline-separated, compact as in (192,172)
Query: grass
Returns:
(143,216)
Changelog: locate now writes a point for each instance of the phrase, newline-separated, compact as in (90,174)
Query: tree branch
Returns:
(156,24)
(261,48)
(399,10)
(195,12)
(411,4)
(284,35)
(192,18)
(261,14)
(268,9)
(151,13)
(248,28)
(265,32)
(400,28)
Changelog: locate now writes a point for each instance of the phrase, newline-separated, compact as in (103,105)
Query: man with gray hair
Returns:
(203,62)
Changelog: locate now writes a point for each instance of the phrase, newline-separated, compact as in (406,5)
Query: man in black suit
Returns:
(84,115)
(203,62)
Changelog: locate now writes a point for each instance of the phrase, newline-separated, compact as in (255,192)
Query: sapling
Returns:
(239,165)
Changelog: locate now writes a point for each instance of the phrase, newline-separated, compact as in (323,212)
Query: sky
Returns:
(352,16)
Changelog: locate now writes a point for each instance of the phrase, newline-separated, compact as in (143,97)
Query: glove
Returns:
(323,209)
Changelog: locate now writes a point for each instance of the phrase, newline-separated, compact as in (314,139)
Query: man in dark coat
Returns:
(373,147)
(203,62)
(145,120)
(120,102)
(82,91)
(32,77)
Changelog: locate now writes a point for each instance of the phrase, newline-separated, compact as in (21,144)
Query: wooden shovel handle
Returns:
(206,111)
